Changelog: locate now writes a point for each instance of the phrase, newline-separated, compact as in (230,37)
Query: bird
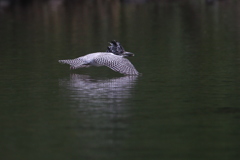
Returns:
(114,58)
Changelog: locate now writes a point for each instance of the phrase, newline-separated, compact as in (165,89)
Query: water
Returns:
(184,106)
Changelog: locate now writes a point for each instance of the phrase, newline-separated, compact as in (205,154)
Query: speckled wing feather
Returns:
(116,63)
(75,63)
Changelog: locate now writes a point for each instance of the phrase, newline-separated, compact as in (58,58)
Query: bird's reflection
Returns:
(101,108)
(97,91)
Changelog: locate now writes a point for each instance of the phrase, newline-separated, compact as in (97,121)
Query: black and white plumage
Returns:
(114,58)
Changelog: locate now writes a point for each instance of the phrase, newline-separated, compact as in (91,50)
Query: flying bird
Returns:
(114,58)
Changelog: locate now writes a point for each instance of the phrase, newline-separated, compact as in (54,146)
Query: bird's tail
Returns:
(74,63)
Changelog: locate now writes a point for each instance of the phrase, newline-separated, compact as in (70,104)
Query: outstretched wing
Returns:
(116,63)
(75,63)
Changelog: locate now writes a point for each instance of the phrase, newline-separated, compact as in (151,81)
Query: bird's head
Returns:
(115,48)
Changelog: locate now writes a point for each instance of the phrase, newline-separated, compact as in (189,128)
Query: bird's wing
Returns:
(75,63)
(116,63)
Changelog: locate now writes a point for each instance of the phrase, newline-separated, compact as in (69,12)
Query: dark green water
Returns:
(185,106)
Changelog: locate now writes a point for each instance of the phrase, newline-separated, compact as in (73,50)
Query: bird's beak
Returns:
(128,54)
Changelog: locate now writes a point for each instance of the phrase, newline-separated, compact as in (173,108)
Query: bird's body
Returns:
(114,58)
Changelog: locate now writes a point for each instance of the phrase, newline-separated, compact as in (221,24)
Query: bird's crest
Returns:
(115,47)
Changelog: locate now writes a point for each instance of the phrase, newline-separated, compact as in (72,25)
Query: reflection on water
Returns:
(106,99)
(102,110)
(99,92)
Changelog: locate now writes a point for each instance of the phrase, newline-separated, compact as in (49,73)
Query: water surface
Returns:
(184,106)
